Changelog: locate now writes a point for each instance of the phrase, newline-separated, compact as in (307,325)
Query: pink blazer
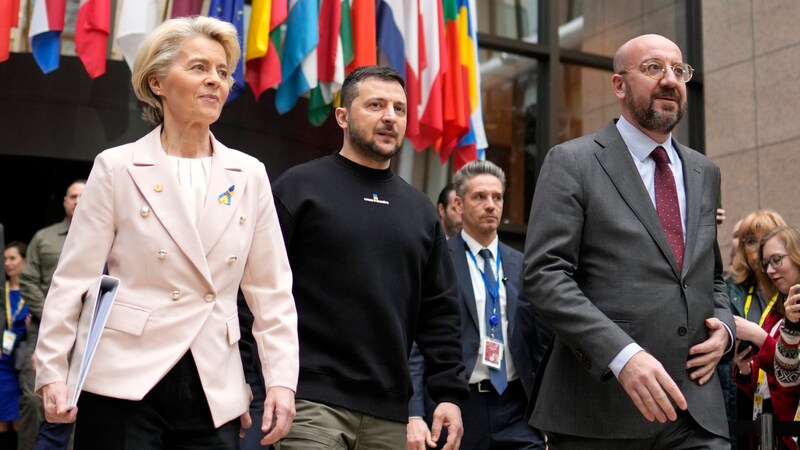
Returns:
(178,282)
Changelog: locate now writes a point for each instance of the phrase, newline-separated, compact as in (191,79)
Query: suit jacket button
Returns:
(685,285)
(176,295)
(210,297)
(682,331)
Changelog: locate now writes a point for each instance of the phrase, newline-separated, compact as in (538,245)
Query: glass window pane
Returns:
(508,85)
(515,19)
(601,26)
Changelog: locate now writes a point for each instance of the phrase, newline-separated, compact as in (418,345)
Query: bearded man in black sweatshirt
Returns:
(372,273)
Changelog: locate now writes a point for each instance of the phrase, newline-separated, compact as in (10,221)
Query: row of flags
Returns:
(306,47)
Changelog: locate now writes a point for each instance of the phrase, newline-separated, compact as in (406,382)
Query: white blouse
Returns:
(193,175)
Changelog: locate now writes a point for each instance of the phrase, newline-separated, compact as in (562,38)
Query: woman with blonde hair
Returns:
(184,222)
(757,375)
(749,291)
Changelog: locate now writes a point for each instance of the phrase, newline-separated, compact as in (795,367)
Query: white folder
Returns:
(97,303)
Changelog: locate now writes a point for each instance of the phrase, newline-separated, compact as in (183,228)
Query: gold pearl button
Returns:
(242,220)
(158,187)
(176,295)
(162,254)
(210,297)
(144,212)
(232,259)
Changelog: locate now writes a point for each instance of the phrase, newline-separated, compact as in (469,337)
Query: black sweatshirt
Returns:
(371,273)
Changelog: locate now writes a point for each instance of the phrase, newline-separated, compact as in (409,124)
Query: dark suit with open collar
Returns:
(601,273)
(527,339)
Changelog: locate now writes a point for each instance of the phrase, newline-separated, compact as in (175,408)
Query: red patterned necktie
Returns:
(667,206)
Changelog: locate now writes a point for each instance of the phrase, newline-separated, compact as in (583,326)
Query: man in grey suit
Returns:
(495,320)
(621,260)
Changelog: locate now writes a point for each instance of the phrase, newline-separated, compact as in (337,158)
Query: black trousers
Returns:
(173,415)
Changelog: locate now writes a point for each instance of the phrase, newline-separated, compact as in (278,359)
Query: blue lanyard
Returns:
(494,293)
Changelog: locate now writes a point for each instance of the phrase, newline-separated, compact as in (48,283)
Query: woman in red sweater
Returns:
(756,375)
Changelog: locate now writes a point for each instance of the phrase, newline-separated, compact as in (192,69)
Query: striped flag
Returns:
(91,35)
(47,22)
(299,60)
(136,19)
(263,68)
(391,34)
(473,145)
(330,62)
(431,43)
(183,8)
(412,64)
(9,17)
(456,94)
(232,11)
(362,16)
(346,34)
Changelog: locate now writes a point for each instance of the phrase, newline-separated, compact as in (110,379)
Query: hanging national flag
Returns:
(346,34)
(183,8)
(91,35)
(330,62)
(136,19)
(412,65)
(47,22)
(299,60)
(431,66)
(232,11)
(390,30)
(9,17)
(473,145)
(456,93)
(263,68)
(362,17)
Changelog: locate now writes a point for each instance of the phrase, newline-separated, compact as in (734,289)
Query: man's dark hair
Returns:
(444,196)
(350,85)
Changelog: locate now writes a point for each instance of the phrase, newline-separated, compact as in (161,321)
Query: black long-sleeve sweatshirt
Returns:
(371,273)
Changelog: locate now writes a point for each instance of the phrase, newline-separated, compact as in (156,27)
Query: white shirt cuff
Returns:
(623,357)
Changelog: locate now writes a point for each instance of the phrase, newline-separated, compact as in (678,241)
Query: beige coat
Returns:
(178,282)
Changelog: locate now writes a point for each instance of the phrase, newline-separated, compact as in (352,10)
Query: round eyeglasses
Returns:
(775,261)
(656,69)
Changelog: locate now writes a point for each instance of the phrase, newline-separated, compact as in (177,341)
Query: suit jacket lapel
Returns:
(617,162)
(227,176)
(462,275)
(153,175)
(693,180)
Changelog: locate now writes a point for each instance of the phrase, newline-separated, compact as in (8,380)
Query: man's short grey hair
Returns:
(473,169)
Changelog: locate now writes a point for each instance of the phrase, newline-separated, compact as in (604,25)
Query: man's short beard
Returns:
(646,115)
(367,148)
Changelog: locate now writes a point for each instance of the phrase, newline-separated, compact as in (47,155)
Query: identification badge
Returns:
(762,392)
(492,353)
(9,339)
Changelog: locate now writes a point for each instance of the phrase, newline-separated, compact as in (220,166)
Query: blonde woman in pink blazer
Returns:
(183,222)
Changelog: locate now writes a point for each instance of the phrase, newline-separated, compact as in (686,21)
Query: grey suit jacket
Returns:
(601,273)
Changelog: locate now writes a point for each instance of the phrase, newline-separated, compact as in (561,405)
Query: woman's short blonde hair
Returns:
(161,47)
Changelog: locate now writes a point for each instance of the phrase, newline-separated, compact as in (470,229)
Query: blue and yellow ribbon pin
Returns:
(225,197)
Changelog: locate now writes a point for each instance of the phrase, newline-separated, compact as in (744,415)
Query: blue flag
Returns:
(232,11)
